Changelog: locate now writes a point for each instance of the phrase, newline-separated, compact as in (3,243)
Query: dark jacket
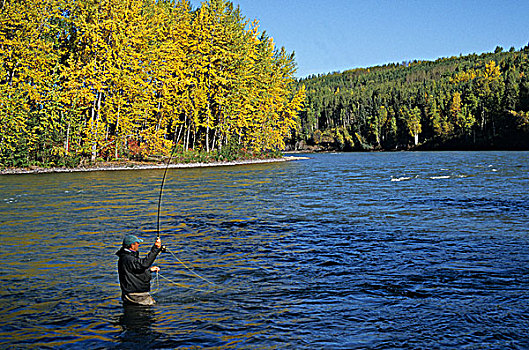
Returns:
(134,272)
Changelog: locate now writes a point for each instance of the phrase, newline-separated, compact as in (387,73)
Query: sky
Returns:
(337,35)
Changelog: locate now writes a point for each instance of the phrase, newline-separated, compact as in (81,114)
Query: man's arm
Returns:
(141,264)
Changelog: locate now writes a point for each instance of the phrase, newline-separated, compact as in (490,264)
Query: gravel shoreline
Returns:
(141,166)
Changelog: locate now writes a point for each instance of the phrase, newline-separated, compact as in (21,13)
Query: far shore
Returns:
(116,166)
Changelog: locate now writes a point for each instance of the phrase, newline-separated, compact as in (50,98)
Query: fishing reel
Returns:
(163,249)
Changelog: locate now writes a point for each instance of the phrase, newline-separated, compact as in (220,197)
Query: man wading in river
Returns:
(135,272)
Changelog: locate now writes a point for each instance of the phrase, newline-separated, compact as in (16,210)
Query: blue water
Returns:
(339,251)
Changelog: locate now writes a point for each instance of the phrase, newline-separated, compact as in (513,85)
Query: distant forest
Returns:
(465,102)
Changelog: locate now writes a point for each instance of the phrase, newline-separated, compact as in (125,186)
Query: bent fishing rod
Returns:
(164,248)
(161,192)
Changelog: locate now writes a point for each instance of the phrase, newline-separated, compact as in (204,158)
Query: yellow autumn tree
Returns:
(30,94)
(114,78)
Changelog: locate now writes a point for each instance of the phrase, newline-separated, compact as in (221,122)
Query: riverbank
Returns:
(118,166)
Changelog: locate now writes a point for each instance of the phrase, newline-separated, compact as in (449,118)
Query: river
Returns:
(338,251)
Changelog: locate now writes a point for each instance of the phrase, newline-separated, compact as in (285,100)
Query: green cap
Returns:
(128,240)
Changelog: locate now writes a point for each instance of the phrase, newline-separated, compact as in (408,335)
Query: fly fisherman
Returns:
(135,272)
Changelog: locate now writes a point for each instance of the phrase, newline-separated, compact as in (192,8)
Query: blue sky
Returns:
(336,35)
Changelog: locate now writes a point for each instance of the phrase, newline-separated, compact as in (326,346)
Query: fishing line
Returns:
(157,283)
(182,285)
(190,270)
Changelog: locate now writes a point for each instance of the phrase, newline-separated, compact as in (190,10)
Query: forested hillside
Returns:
(108,79)
(466,102)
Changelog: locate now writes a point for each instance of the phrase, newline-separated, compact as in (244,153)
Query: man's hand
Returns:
(155,269)
(158,243)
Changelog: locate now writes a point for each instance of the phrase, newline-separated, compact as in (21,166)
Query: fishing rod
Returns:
(161,192)
(164,248)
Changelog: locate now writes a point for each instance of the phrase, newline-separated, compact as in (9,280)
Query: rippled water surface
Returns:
(374,250)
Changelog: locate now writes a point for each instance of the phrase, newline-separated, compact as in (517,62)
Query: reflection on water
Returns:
(374,250)
(137,323)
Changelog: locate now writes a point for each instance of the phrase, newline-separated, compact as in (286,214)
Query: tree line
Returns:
(110,79)
(466,102)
